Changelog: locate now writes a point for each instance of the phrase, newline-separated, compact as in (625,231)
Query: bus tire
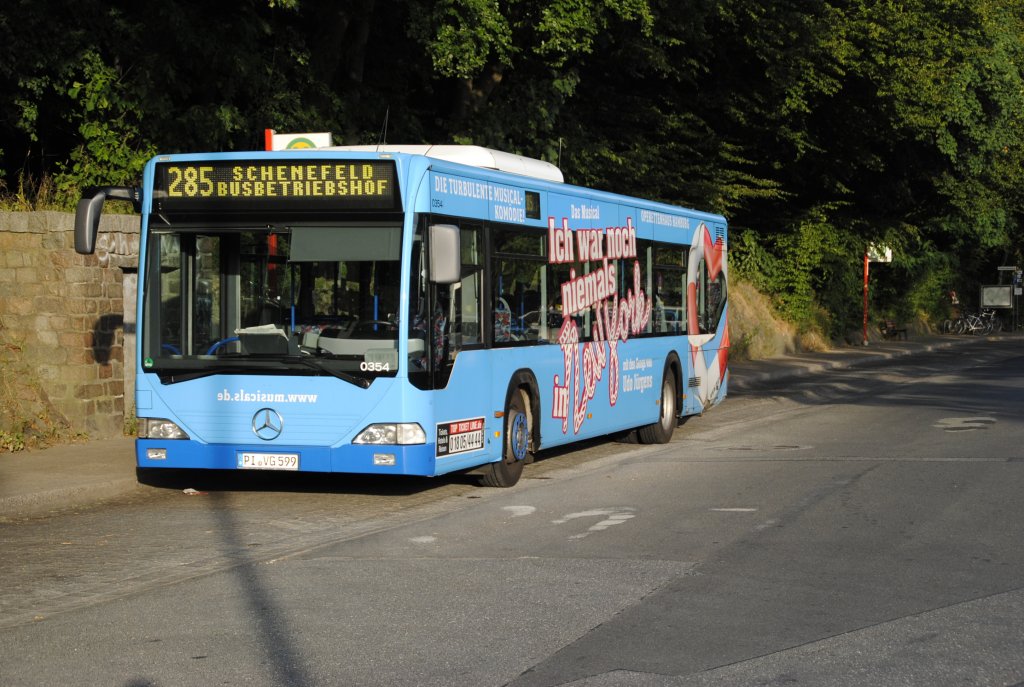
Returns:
(515,444)
(660,432)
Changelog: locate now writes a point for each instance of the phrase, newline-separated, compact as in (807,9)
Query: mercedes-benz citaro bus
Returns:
(410,310)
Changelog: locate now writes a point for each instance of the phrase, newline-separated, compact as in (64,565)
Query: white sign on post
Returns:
(879,253)
(276,141)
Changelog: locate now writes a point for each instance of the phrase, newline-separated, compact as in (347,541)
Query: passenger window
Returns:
(669,290)
(520,288)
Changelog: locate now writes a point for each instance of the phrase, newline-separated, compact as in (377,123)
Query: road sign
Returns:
(276,141)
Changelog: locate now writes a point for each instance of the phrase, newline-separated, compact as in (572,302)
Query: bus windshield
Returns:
(303,299)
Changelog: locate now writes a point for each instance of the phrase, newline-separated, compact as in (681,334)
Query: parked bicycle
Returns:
(985,322)
(996,322)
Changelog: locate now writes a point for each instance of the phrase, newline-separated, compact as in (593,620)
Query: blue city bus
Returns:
(410,310)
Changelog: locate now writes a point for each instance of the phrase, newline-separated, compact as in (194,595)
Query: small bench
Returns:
(890,330)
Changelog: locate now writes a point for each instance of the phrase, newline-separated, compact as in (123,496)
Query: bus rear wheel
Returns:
(661,431)
(515,445)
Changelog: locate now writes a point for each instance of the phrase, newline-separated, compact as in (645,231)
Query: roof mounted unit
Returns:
(475,156)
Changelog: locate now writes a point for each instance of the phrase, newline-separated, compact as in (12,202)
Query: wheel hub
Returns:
(520,438)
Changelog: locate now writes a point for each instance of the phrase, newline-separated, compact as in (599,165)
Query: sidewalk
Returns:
(75,475)
(67,476)
(754,374)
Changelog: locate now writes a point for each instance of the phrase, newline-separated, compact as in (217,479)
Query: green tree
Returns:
(818,128)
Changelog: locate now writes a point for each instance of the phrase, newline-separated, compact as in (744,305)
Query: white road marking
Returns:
(612,517)
(964,424)
(520,511)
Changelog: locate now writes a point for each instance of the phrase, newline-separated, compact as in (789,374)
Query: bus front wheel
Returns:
(515,444)
(661,431)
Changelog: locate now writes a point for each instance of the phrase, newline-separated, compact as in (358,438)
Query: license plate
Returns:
(268,461)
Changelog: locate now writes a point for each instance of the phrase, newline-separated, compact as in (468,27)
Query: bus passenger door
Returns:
(459,376)
(707,280)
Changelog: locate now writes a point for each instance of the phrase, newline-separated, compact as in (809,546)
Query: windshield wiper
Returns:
(178,376)
(256,365)
(315,364)
(175,376)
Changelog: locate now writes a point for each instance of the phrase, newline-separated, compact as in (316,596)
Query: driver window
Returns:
(169,312)
(207,289)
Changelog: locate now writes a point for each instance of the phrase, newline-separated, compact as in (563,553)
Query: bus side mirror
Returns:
(445,254)
(90,207)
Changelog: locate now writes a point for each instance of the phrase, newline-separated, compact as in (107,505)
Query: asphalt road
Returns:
(862,527)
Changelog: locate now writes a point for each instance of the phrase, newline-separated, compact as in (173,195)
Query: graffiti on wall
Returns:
(116,245)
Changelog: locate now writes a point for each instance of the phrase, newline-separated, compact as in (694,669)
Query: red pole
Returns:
(865,298)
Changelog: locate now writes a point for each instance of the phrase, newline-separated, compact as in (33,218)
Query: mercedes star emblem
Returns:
(267,424)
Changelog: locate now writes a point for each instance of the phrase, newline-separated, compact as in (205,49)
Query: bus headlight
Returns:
(159,428)
(392,433)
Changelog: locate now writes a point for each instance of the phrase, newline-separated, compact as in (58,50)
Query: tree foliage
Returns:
(816,127)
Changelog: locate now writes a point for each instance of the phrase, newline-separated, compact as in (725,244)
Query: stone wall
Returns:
(63,324)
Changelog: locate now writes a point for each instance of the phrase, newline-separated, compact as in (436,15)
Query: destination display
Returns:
(254,185)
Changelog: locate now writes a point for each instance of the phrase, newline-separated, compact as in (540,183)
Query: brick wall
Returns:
(63,324)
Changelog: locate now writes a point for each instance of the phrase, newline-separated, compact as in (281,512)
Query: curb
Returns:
(65,498)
